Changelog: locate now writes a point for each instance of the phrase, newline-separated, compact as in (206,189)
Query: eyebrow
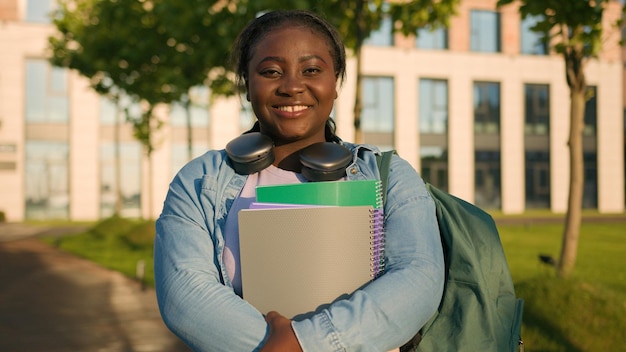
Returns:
(301,59)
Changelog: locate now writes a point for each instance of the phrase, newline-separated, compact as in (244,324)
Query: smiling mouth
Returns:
(292,108)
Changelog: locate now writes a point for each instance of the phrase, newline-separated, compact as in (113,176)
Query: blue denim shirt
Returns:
(196,298)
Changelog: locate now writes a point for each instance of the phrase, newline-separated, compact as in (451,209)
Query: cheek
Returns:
(255,92)
(330,89)
(329,93)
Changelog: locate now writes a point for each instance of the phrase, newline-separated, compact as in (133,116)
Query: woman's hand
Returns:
(282,337)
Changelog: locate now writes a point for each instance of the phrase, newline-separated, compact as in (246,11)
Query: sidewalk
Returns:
(55,302)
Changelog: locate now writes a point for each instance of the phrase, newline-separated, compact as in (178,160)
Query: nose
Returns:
(290,85)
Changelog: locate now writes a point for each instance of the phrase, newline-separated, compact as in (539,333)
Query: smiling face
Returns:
(292,85)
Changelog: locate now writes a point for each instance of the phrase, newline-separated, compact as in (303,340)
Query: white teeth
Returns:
(295,108)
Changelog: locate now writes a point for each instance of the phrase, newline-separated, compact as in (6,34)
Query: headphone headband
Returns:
(325,161)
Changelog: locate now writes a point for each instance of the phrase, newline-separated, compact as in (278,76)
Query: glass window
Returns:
(532,43)
(378,105)
(58,81)
(377,116)
(487,179)
(383,36)
(433,129)
(537,112)
(180,154)
(484,31)
(590,188)
(47,180)
(537,175)
(537,145)
(433,106)
(108,110)
(46,93)
(487,141)
(130,179)
(38,10)
(428,38)
(591,112)
(486,108)
(434,166)
(198,109)
(590,147)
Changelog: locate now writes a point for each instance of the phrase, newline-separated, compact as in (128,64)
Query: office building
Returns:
(480,109)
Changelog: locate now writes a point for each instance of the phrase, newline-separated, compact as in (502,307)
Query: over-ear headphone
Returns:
(324,161)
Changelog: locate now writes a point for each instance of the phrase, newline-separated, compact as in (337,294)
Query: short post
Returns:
(141,273)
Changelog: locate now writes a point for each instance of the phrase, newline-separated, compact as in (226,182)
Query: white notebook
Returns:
(294,260)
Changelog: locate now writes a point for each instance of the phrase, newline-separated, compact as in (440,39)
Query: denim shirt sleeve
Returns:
(390,310)
(196,301)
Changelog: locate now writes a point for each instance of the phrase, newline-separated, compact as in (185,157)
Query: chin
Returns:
(291,134)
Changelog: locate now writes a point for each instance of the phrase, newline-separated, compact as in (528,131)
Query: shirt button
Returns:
(353,170)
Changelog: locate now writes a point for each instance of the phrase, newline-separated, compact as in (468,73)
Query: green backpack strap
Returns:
(384,164)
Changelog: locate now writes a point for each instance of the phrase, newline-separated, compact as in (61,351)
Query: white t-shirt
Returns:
(269,176)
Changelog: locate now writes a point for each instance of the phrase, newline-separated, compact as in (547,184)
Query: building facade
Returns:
(480,109)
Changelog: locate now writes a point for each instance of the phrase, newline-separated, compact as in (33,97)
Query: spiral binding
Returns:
(379,195)
(377,236)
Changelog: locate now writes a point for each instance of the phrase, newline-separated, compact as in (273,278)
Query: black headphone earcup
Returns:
(250,153)
(325,161)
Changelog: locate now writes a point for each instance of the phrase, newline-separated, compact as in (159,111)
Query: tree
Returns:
(71,20)
(119,46)
(155,51)
(201,32)
(573,29)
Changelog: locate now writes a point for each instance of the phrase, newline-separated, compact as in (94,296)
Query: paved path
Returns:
(51,301)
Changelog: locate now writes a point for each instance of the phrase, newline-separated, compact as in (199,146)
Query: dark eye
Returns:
(270,72)
(312,70)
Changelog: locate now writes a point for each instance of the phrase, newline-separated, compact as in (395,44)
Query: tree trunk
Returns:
(189,129)
(360,38)
(358,105)
(144,132)
(576,82)
(150,187)
(150,148)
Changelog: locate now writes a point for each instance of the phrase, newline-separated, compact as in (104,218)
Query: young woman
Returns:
(290,64)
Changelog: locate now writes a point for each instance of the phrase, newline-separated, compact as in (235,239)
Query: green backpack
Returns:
(479,310)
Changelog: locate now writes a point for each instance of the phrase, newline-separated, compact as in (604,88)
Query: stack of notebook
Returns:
(304,245)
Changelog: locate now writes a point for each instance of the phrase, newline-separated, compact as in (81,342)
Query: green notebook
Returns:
(339,193)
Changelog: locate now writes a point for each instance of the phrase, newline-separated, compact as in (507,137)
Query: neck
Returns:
(287,156)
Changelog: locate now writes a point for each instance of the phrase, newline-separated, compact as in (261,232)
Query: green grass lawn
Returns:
(584,313)
(115,243)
